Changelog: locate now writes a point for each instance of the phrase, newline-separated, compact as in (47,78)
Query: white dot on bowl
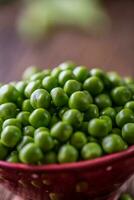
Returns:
(46,182)
(34,176)
(109,168)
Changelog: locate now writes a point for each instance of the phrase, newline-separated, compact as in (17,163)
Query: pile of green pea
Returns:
(66,114)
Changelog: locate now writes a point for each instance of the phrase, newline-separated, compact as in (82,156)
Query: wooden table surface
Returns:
(114,50)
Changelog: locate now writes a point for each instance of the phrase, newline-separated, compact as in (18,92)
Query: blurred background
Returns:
(47,32)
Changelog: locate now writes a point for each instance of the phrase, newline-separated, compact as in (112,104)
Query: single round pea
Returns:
(128,133)
(29,72)
(108,121)
(29,131)
(8,110)
(3,151)
(113,143)
(25,140)
(54,120)
(62,111)
(39,117)
(91,112)
(117,131)
(44,140)
(124,116)
(40,98)
(67,65)
(73,117)
(26,106)
(59,97)
(67,154)
(98,128)
(64,76)
(49,82)
(13,157)
(55,72)
(20,86)
(110,112)
(103,101)
(121,95)
(84,127)
(41,129)
(30,154)
(78,139)
(91,150)
(126,196)
(93,85)
(115,79)
(80,100)
(12,122)
(8,93)
(10,136)
(50,158)
(81,73)
(23,117)
(31,87)
(130,105)
(61,131)
(72,86)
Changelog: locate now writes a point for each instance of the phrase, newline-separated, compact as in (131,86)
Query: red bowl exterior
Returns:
(98,178)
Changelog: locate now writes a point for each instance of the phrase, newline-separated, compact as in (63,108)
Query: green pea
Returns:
(113,143)
(78,139)
(103,101)
(126,196)
(49,82)
(26,106)
(80,100)
(59,97)
(73,117)
(62,111)
(131,87)
(93,85)
(3,151)
(8,110)
(12,121)
(44,140)
(61,131)
(84,127)
(110,112)
(23,117)
(64,76)
(54,120)
(115,79)
(39,117)
(38,76)
(67,154)
(128,80)
(10,136)
(124,116)
(91,112)
(121,95)
(27,152)
(29,131)
(81,73)
(108,121)
(91,150)
(25,140)
(117,131)
(128,133)
(55,72)
(46,72)
(50,158)
(72,86)
(130,105)
(20,86)
(40,98)
(98,128)
(67,65)
(31,87)
(41,129)
(13,157)
(8,93)
(29,72)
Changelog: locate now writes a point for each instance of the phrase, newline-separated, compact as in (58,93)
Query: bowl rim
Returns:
(106,160)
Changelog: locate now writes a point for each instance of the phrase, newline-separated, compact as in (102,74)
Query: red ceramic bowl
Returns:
(95,179)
